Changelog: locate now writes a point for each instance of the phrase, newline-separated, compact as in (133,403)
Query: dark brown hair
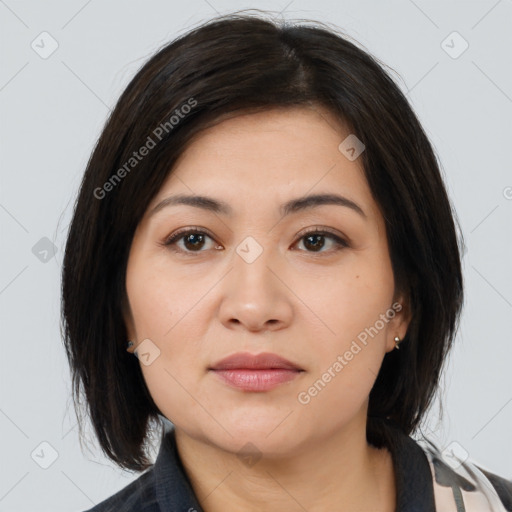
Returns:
(241,63)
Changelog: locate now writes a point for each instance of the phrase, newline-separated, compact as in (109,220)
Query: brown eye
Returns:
(315,241)
(193,240)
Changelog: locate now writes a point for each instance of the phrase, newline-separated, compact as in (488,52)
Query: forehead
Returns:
(269,156)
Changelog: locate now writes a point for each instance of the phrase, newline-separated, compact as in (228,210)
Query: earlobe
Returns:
(398,325)
(394,342)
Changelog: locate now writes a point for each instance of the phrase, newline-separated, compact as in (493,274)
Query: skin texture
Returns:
(305,301)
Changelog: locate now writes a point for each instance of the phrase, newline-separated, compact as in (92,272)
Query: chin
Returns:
(268,436)
(257,445)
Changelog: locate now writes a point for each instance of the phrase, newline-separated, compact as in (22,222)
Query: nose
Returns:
(255,296)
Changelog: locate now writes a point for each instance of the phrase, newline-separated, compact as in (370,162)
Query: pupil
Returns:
(316,246)
(196,237)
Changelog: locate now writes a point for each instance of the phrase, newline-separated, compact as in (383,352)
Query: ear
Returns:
(398,323)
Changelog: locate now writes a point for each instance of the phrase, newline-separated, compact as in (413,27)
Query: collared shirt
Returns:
(426,481)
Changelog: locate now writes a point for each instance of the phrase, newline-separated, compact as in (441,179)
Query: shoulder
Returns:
(502,486)
(458,479)
(137,496)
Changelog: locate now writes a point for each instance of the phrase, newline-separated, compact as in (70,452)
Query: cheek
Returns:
(343,376)
(349,351)
(158,299)
(162,305)
(171,382)
(352,301)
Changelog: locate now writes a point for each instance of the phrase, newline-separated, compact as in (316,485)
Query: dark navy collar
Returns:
(413,476)
(173,488)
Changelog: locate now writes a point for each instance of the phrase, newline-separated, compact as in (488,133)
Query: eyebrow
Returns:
(291,206)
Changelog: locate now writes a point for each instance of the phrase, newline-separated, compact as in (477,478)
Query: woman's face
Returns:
(251,278)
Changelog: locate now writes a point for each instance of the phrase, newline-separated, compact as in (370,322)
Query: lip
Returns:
(256,380)
(248,361)
(255,372)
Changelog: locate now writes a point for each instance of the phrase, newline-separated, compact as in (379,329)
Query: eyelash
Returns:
(170,242)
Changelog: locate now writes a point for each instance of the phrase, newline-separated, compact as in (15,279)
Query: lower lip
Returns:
(257,380)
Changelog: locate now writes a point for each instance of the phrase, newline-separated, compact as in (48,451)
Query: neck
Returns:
(338,472)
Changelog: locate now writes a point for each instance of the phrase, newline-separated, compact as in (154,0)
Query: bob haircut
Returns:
(241,63)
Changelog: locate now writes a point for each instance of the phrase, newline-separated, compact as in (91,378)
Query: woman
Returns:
(264,225)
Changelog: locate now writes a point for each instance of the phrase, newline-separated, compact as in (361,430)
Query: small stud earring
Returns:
(129,346)
(397,341)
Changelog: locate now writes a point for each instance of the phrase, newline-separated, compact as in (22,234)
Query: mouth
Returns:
(257,380)
(260,372)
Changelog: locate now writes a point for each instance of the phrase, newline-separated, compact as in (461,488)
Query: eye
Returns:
(315,239)
(194,240)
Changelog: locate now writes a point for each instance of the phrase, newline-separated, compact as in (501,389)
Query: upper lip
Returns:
(261,361)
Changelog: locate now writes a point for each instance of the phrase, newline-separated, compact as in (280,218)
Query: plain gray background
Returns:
(52,110)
